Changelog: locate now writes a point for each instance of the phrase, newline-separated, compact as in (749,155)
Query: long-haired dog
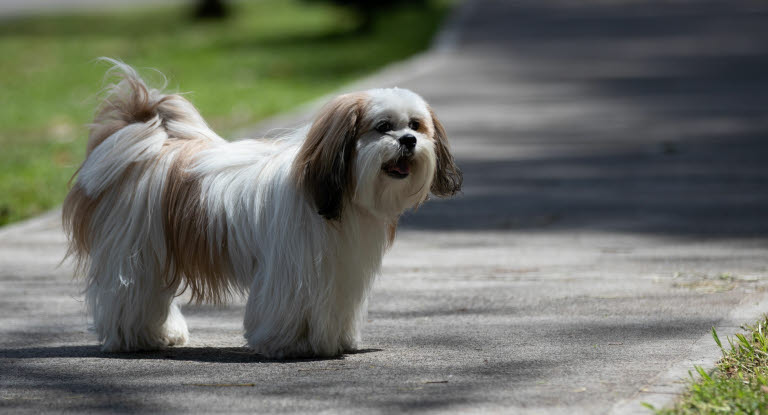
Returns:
(162,204)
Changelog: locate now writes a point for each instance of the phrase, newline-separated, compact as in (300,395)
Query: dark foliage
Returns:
(369,9)
(211,9)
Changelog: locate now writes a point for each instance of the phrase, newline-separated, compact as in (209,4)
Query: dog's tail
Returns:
(134,125)
(131,101)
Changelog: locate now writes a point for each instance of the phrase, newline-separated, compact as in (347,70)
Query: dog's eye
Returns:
(384,127)
(414,125)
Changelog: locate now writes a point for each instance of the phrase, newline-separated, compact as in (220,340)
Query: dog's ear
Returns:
(323,167)
(448,177)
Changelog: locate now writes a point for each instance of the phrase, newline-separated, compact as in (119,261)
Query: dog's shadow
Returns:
(195,354)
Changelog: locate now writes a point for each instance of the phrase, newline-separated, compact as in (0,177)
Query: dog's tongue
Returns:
(402,166)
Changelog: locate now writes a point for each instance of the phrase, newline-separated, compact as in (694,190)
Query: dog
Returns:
(299,223)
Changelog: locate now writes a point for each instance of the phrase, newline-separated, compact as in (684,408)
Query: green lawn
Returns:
(739,384)
(271,55)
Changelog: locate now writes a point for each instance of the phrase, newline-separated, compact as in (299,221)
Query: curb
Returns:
(36,223)
(666,387)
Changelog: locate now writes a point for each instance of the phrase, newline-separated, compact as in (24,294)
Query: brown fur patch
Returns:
(448,177)
(202,263)
(77,215)
(323,167)
(391,232)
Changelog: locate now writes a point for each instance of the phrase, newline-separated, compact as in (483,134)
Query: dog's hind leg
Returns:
(135,313)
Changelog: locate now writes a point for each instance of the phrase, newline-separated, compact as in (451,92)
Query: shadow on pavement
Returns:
(196,354)
(705,188)
(641,117)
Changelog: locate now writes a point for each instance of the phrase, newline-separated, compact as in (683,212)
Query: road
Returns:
(614,209)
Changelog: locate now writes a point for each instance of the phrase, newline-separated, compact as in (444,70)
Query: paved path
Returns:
(615,208)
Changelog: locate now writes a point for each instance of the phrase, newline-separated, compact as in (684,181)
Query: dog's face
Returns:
(383,150)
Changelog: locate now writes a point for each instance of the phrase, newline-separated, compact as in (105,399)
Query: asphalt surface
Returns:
(614,209)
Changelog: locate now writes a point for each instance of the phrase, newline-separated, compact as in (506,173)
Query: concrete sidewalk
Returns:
(614,209)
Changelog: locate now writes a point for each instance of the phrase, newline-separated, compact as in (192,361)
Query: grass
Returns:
(270,56)
(739,383)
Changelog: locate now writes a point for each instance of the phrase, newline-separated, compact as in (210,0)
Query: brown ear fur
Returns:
(323,167)
(448,177)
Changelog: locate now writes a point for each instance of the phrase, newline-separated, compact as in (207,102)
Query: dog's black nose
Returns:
(409,141)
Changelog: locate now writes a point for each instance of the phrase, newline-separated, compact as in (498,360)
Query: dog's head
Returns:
(383,150)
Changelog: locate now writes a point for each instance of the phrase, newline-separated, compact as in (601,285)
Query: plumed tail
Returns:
(130,100)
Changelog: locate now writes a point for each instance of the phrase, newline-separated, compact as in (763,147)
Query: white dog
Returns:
(162,204)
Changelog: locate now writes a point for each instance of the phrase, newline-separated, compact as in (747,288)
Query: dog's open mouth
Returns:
(398,169)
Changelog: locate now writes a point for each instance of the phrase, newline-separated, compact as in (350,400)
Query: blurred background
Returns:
(241,61)
(638,115)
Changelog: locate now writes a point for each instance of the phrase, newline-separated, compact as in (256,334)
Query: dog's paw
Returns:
(174,331)
(175,338)
(349,346)
(147,341)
